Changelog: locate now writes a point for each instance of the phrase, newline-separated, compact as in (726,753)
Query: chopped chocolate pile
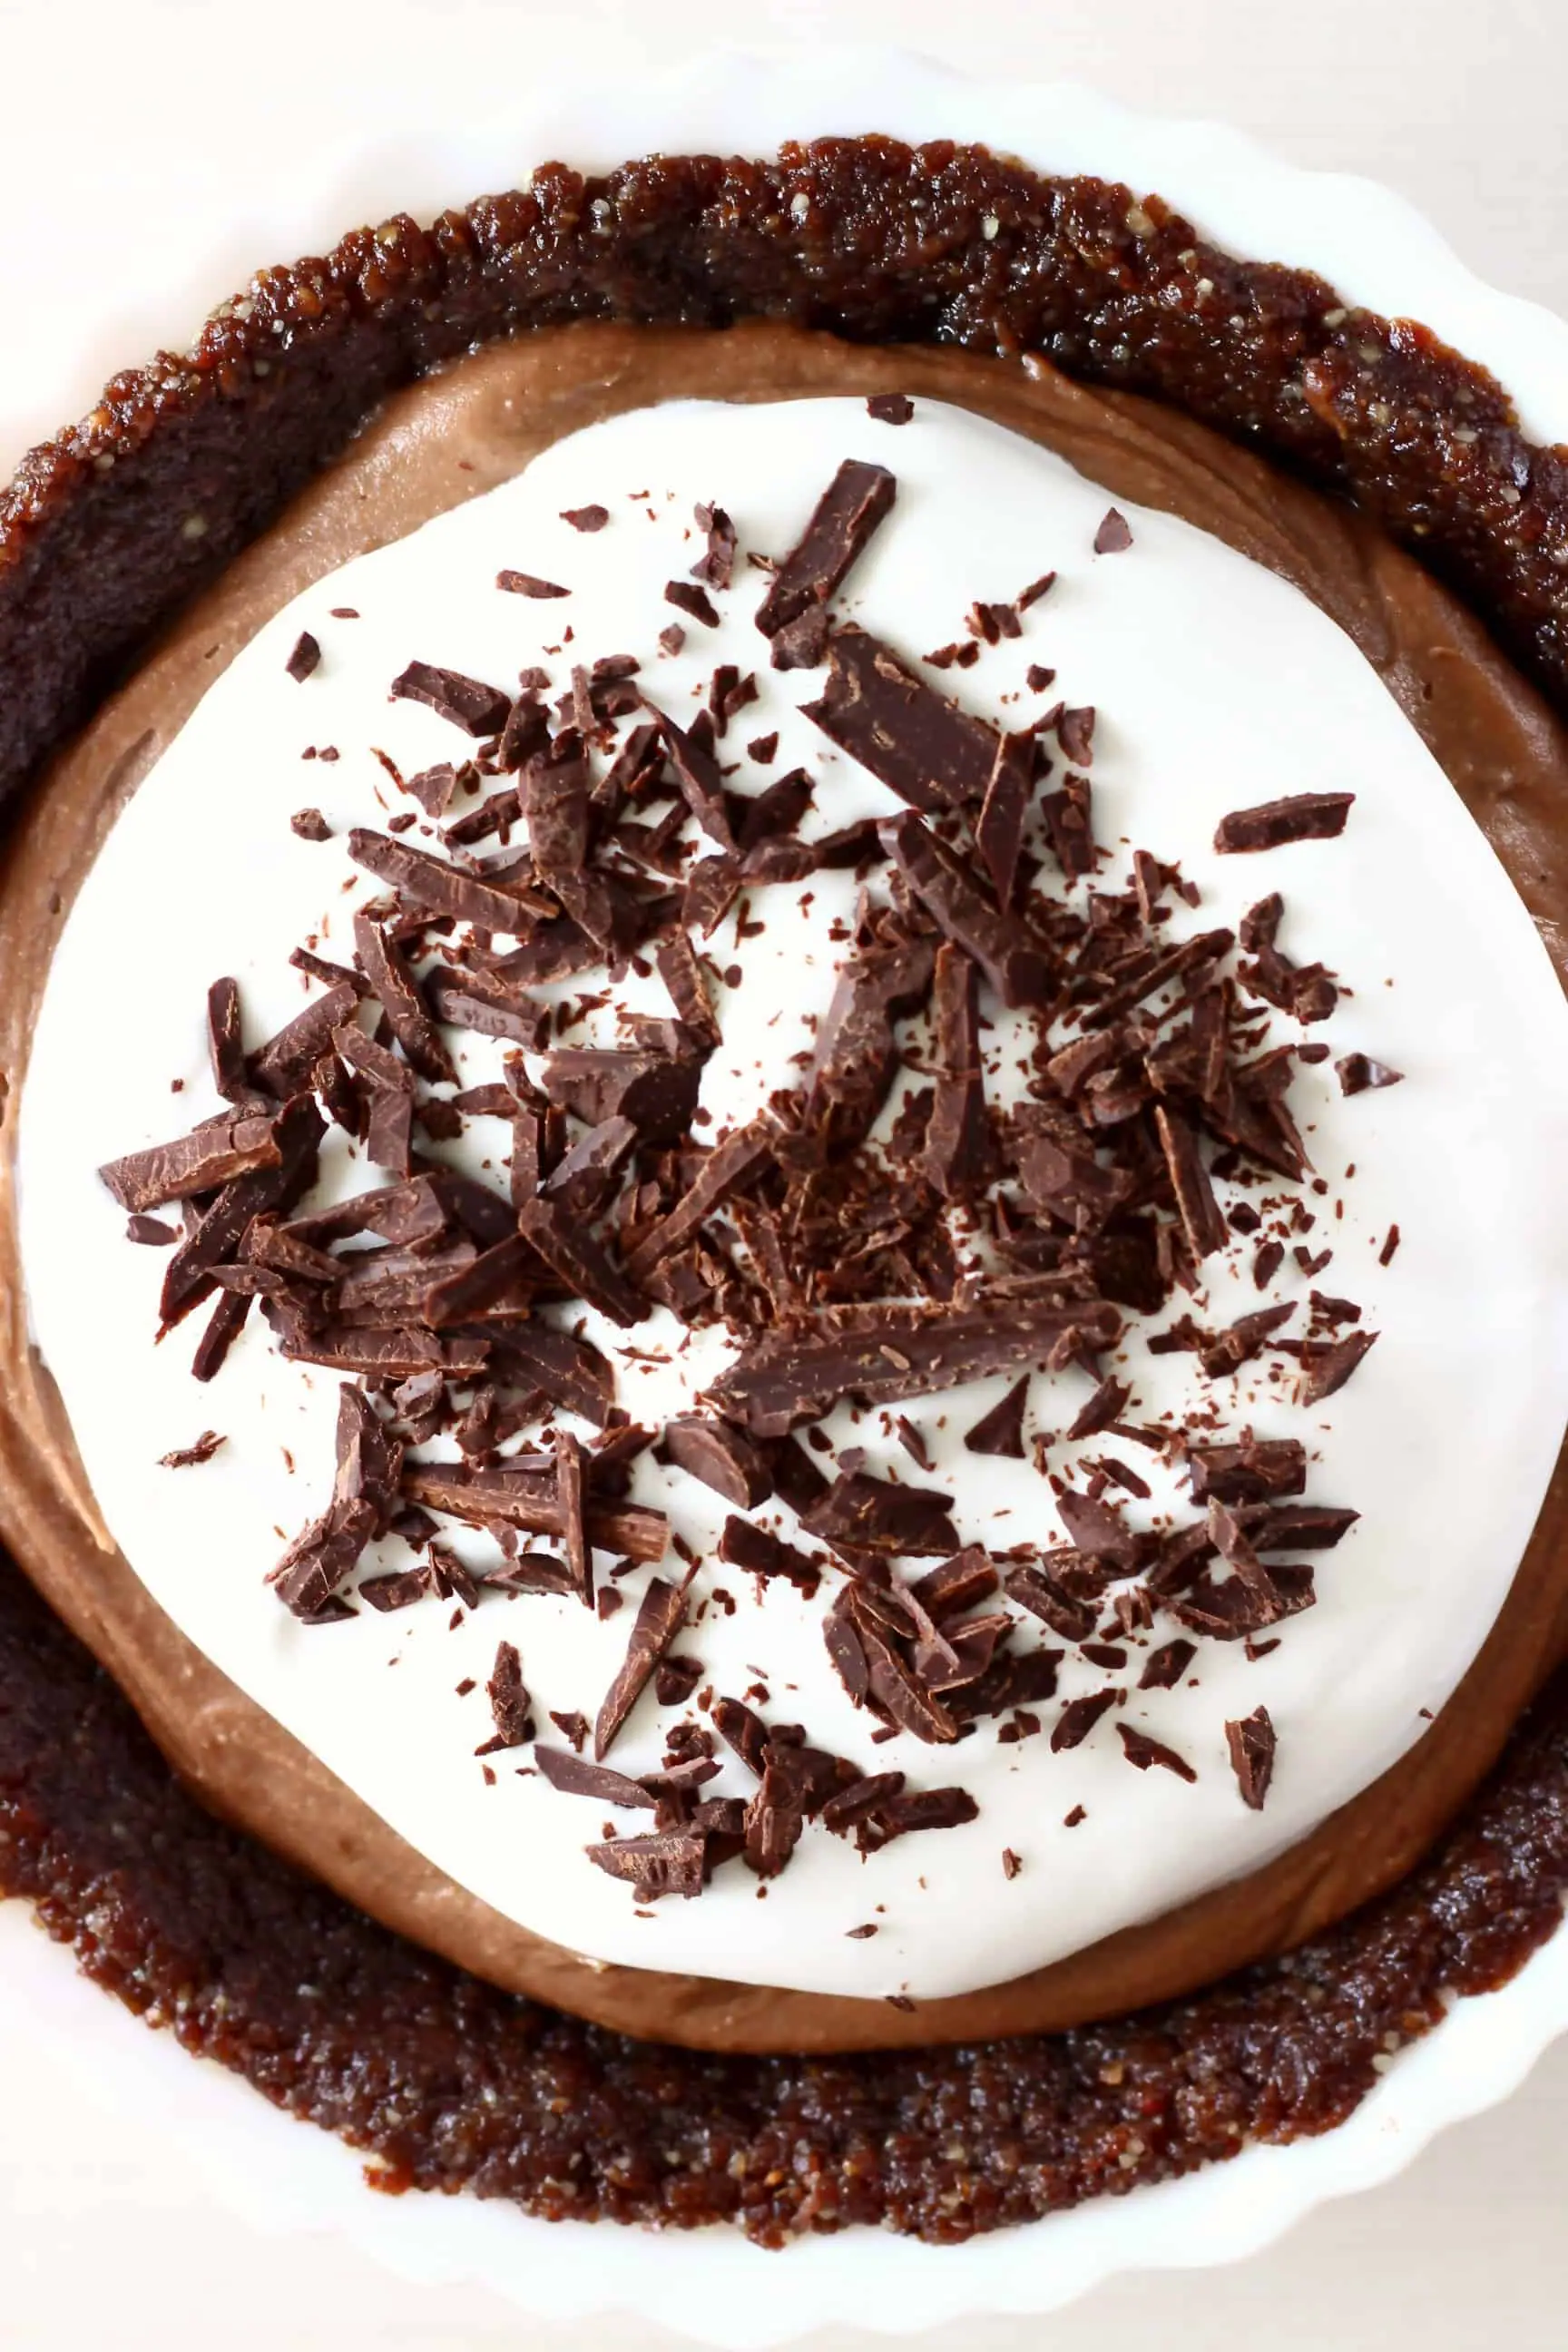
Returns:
(890,1226)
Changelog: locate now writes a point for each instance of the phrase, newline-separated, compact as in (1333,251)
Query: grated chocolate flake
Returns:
(528,583)
(190,1457)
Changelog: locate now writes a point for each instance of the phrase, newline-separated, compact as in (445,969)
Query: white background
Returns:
(108,2236)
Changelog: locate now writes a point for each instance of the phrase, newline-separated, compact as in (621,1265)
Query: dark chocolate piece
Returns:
(659,1618)
(530,1499)
(586,519)
(1001,1430)
(1016,964)
(225,1048)
(1098,1531)
(1143,1751)
(955,1154)
(1253,1472)
(656,1092)
(1201,1222)
(924,748)
(396,992)
(510,1702)
(1358,1072)
(310,824)
(734,1163)
(432,882)
(305,657)
(744,1545)
(1252,1743)
(199,1162)
(527,583)
(1164,1667)
(889,1354)
(579,1776)
(1115,533)
(721,1456)
(1079,1718)
(671,1862)
(1327,1365)
(860,1513)
(890,407)
(999,828)
(856,499)
(1300,816)
(467,702)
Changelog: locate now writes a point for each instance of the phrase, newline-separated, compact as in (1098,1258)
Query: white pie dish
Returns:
(713,2285)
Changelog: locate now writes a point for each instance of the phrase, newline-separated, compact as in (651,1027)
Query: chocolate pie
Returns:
(782,1408)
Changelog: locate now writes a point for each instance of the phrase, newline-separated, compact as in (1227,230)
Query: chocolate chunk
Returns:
(1108,1404)
(1072,1614)
(188,1457)
(655,1092)
(999,828)
(580,1261)
(682,975)
(1142,1751)
(716,564)
(467,702)
(150,1231)
(1096,1530)
(846,516)
(1358,1072)
(225,1049)
(526,583)
(310,824)
(529,1499)
(510,1702)
(855,1056)
(1114,533)
(584,1178)
(669,1862)
(959,1583)
(688,598)
(753,1548)
(908,1810)
(955,1154)
(586,519)
(399,1590)
(696,773)
(925,749)
(432,882)
(1327,1365)
(1252,1742)
(659,1618)
(507,1272)
(890,407)
(1164,1667)
(1201,1222)
(1253,1472)
(1079,1718)
(396,992)
(860,1513)
(1301,816)
(730,1164)
(1016,964)
(889,1354)
(1001,1430)
(776,1814)
(305,657)
(721,1457)
(200,1162)
(578,1776)
(479,1002)
(1075,733)
(1228,1350)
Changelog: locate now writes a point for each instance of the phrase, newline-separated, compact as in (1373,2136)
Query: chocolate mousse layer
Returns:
(450,437)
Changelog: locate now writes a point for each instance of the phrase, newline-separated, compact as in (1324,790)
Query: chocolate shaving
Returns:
(720,1456)
(659,1618)
(1357,1072)
(1001,1430)
(1201,1222)
(526,583)
(578,1776)
(1016,964)
(580,1261)
(744,1545)
(1301,816)
(1327,1365)
(669,1862)
(189,1457)
(955,1154)
(466,702)
(1072,1614)
(396,990)
(1252,1743)
(730,1164)
(1142,1751)
(999,828)
(1079,1718)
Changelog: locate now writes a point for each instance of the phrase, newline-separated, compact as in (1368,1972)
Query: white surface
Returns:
(1210,676)
(1373,71)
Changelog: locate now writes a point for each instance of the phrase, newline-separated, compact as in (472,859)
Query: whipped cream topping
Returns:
(1217,686)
